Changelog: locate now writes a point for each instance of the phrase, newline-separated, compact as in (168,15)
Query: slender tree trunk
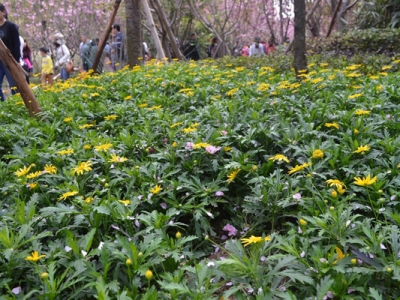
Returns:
(106,34)
(133,19)
(281,21)
(299,45)
(153,30)
(334,18)
(308,17)
(18,76)
(172,40)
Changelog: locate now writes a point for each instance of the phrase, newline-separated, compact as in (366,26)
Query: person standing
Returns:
(85,42)
(117,46)
(27,58)
(47,66)
(191,51)
(10,36)
(257,49)
(62,56)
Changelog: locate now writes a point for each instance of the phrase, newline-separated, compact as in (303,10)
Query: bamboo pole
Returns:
(105,36)
(18,76)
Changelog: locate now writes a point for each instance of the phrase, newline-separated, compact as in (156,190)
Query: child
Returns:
(47,66)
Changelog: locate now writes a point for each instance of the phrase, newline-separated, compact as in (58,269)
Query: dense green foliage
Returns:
(140,184)
(356,42)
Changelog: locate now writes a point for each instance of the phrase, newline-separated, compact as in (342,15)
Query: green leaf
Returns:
(375,294)
(323,287)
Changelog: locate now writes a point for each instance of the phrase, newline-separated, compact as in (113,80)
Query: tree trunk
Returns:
(18,76)
(341,24)
(308,17)
(153,30)
(172,40)
(106,34)
(299,45)
(281,21)
(134,40)
(333,18)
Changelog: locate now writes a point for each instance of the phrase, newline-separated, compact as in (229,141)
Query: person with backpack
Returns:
(257,49)
(10,36)
(63,56)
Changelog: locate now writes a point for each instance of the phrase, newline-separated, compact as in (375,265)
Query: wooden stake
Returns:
(18,76)
(106,34)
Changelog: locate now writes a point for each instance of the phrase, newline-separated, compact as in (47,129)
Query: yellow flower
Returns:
(189,130)
(302,222)
(35,256)
(279,157)
(128,262)
(32,185)
(67,194)
(356,131)
(339,253)
(336,125)
(66,152)
(341,190)
(178,235)
(355,96)
(117,159)
(398,166)
(227,149)
(110,117)
(143,105)
(334,194)
(148,275)
(34,174)
(155,190)
(175,124)
(232,92)
(232,175)
(251,240)
(201,145)
(23,171)
(174,144)
(362,149)
(298,168)
(103,147)
(362,112)
(125,202)
(50,169)
(365,181)
(67,119)
(128,97)
(44,275)
(83,167)
(86,126)
(267,238)
(318,154)
(335,182)
(87,147)
(89,200)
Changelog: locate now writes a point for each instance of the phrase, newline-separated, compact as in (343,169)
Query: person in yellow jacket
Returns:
(47,67)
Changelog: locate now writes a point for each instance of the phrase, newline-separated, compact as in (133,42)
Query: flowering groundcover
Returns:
(196,181)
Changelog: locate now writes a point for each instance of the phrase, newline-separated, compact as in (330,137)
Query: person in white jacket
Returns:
(62,56)
(257,49)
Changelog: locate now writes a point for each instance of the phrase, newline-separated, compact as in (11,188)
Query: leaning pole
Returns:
(18,75)
(106,33)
